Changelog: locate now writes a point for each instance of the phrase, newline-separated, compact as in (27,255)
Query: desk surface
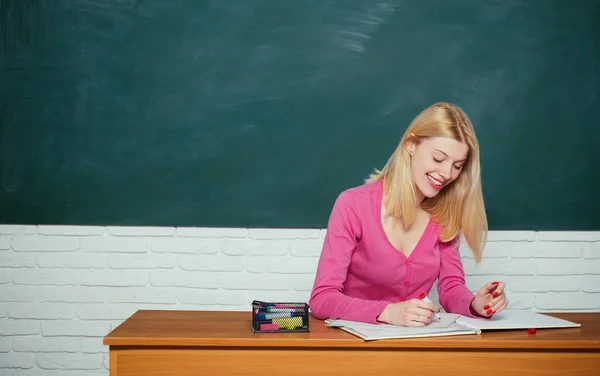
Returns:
(232,329)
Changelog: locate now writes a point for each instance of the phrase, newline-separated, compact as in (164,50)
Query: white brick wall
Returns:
(63,288)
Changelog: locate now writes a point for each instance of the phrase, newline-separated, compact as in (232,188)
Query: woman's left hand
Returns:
(490,299)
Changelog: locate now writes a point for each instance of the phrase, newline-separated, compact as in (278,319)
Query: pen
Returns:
(426,299)
(267,316)
(289,310)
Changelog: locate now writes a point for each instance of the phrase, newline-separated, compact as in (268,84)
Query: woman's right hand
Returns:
(412,312)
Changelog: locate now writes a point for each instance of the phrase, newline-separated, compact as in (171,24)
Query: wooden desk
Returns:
(197,343)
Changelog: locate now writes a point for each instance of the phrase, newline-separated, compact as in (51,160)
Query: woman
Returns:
(391,238)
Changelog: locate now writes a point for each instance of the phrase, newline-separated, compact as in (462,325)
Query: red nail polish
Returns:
(489,311)
(486,307)
(494,283)
(422,296)
(495,294)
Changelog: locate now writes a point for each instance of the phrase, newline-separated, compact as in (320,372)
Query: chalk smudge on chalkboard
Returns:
(155,8)
(104,6)
(21,23)
(103,19)
(358,26)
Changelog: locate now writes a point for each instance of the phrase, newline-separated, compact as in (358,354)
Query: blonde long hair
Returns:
(457,207)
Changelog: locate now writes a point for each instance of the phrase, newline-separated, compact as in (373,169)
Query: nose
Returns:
(446,171)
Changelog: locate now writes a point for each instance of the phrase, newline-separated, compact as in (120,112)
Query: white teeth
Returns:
(434,181)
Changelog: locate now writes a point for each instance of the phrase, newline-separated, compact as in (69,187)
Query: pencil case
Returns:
(280,317)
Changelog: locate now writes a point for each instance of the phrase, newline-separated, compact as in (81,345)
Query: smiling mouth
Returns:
(437,184)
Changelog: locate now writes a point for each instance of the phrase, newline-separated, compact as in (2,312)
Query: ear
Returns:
(411,143)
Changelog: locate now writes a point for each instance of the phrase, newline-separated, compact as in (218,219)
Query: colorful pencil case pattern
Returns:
(279,317)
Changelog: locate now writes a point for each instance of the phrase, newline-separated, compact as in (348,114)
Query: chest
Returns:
(405,240)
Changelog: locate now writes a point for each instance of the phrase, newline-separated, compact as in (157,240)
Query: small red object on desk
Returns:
(531,331)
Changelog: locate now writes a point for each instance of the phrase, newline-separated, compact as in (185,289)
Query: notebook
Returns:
(452,324)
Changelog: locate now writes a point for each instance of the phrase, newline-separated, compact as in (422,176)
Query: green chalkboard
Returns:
(259,113)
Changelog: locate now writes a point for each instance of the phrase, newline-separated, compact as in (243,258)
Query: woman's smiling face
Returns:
(435,163)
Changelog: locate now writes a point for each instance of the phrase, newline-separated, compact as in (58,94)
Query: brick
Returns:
(475,282)
(569,236)
(212,232)
(590,283)
(17,230)
(18,294)
(547,250)
(322,233)
(13,360)
(36,277)
(511,236)
(141,295)
(278,296)
(141,261)
(205,280)
(140,231)
(37,243)
(280,233)
(545,284)
(70,230)
(303,282)
(114,278)
(72,294)
(161,306)
(4,275)
(79,260)
(213,263)
(74,328)
(239,281)
(4,345)
(3,309)
(93,346)
(185,307)
(492,250)
(114,244)
(500,267)
(306,248)
(106,311)
(45,344)
(4,243)
(69,361)
(19,327)
(591,250)
(520,301)
(568,267)
(16,260)
(210,297)
(236,247)
(569,301)
(44,372)
(42,311)
(184,245)
(96,373)
(283,265)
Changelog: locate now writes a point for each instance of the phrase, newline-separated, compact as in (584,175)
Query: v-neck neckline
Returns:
(379,203)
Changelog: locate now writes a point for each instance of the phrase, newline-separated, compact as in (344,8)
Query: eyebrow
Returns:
(462,160)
